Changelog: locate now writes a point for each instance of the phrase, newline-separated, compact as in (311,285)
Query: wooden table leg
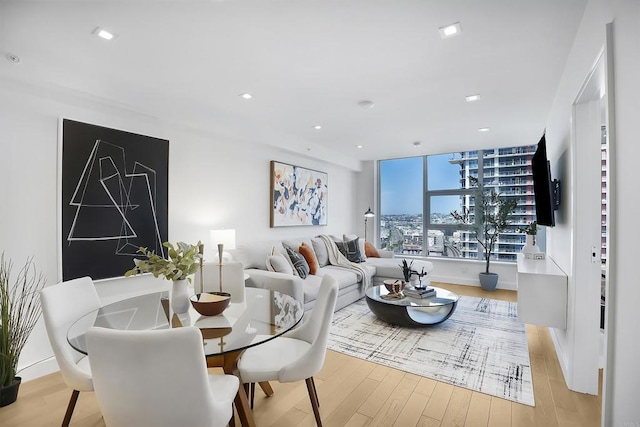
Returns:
(266,387)
(230,367)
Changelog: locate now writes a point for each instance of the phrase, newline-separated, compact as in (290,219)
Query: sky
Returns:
(402,185)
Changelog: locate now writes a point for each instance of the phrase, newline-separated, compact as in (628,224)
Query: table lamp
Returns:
(368,214)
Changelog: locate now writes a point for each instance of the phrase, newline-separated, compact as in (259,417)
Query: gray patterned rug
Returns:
(482,346)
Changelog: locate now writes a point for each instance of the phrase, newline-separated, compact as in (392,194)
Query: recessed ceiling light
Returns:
(13,58)
(472,98)
(246,95)
(317,127)
(365,105)
(103,34)
(358,146)
(450,30)
(417,144)
(483,130)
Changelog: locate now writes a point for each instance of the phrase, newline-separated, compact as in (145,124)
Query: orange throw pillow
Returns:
(370,251)
(310,256)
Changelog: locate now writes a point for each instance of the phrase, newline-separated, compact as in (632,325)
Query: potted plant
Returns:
(406,270)
(20,309)
(183,261)
(492,216)
(530,246)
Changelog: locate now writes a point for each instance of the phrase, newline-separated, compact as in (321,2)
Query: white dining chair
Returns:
(232,279)
(297,355)
(63,304)
(157,378)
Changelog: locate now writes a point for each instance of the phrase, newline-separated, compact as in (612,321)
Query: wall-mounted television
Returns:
(546,190)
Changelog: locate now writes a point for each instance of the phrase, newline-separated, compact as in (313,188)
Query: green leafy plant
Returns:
(183,261)
(492,216)
(531,229)
(20,309)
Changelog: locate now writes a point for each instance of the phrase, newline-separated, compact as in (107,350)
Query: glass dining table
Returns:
(261,317)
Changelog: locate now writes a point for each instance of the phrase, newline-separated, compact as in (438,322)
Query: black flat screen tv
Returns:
(544,188)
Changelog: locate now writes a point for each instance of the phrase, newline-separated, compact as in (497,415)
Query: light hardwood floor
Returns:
(354,393)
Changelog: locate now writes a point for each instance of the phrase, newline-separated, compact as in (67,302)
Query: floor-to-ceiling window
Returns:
(417,195)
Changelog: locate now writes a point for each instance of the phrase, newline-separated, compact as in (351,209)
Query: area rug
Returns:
(482,346)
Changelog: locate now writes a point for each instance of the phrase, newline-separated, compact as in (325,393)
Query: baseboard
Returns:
(39,369)
(508,285)
(562,358)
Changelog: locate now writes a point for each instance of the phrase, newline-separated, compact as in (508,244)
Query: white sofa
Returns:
(254,258)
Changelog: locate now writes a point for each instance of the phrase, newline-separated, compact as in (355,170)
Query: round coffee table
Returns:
(407,311)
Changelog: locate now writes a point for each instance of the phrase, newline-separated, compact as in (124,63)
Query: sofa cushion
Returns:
(310,256)
(370,251)
(279,264)
(343,276)
(350,248)
(311,287)
(361,243)
(299,263)
(255,254)
(321,251)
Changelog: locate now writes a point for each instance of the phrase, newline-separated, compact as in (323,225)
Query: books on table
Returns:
(420,292)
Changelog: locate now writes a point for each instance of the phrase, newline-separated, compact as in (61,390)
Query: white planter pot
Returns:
(180,296)
(530,246)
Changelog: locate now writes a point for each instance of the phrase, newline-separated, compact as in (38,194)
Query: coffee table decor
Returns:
(481,347)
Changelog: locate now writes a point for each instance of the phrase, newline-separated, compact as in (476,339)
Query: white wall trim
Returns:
(39,369)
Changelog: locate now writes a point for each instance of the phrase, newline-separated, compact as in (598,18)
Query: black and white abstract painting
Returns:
(114,188)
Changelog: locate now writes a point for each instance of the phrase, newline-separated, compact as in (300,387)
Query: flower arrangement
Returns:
(20,309)
(183,261)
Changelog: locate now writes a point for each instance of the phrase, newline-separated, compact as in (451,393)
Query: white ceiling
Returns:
(308,62)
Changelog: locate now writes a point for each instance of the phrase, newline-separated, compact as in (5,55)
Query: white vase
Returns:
(530,246)
(180,296)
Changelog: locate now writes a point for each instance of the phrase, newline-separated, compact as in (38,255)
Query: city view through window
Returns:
(417,195)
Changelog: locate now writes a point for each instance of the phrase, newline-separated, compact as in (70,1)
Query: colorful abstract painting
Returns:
(298,196)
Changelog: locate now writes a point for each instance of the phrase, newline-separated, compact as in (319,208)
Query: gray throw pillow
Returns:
(299,263)
(351,250)
(279,264)
(321,251)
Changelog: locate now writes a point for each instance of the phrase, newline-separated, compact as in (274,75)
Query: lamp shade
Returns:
(369,213)
(226,237)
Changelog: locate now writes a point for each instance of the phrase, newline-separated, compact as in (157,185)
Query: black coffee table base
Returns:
(411,316)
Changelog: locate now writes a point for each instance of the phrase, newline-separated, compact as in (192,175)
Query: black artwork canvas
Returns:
(114,199)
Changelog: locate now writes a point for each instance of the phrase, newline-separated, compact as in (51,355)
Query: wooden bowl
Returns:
(210,303)
(394,286)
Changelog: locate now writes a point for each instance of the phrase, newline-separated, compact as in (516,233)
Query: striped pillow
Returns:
(299,263)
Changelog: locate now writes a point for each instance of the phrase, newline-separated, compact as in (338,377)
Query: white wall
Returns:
(622,374)
(213,182)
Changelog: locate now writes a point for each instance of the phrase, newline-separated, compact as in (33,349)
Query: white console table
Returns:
(542,293)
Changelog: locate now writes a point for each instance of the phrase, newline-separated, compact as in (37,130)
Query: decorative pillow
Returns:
(299,263)
(361,242)
(279,264)
(275,251)
(370,250)
(310,256)
(351,250)
(321,251)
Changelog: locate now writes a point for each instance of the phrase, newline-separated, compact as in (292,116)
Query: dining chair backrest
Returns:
(314,331)
(153,378)
(232,279)
(62,305)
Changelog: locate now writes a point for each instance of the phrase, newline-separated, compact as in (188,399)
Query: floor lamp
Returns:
(368,214)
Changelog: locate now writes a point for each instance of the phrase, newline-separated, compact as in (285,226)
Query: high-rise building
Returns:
(508,172)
